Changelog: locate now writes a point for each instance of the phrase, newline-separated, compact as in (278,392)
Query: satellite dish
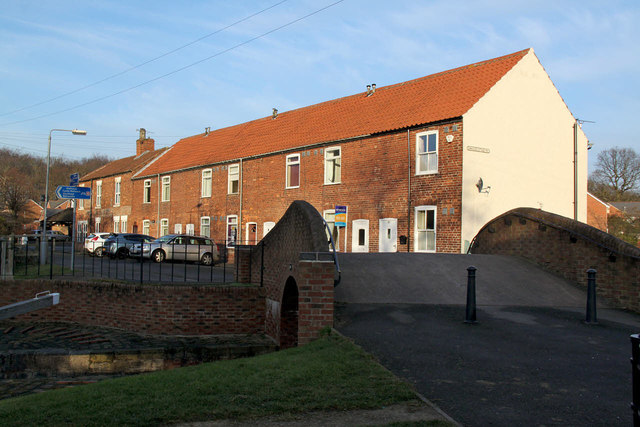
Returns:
(479,184)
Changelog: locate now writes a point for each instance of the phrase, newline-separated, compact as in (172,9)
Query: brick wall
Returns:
(374,184)
(568,248)
(170,310)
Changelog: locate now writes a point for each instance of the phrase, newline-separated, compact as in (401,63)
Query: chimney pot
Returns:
(207,131)
(275,113)
(373,88)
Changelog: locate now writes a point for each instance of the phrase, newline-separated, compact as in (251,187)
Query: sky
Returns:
(175,68)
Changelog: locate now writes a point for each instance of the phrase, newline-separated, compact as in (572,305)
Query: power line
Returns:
(177,70)
(141,64)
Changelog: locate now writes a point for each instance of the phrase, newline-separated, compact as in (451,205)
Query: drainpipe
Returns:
(240,214)
(575,170)
(409,192)
(158,214)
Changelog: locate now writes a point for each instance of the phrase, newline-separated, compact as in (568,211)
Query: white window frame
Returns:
(116,191)
(232,220)
(418,230)
(116,224)
(97,224)
(146,191)
(233,177)
(205,226)
(164,227)
(329,216)
(330,159)
(123,223)
(177,228)
(427,153)
(292,160)
(98,194)
(190,229)
(166,188)
(146,226)
(80,201)
(247,227)
(267,227)
(207,180)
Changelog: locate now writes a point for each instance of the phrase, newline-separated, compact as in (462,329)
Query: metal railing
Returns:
(186,264)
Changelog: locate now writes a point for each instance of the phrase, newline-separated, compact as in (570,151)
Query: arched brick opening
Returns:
(289,315)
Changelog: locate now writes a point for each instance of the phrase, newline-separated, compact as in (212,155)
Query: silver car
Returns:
(181,247)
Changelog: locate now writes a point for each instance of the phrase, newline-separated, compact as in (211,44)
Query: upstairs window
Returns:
(166,189)
(293,171)
(98,194)
(332,167)
(427,152)
(206,183)
(116,197)
(234,179)
(146,194)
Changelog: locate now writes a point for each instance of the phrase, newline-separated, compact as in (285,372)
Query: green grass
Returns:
(328,374)
(44,271)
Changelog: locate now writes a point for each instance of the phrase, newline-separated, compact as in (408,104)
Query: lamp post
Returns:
(43,238)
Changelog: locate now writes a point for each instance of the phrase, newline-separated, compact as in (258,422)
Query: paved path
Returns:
(529,361)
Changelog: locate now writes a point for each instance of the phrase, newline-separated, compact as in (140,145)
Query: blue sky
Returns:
(52,48)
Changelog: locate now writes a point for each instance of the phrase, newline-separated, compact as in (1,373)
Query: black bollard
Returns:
(470,313)
(635,378)
(592,317)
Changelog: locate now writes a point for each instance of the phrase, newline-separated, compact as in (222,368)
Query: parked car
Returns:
(182,247)
(119,245)
(55,235)
(94,243)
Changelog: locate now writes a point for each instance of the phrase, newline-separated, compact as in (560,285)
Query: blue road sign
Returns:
(74,179)
(66,192)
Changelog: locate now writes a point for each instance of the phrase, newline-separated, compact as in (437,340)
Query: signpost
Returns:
(68,192)
(74,179)
(340,220)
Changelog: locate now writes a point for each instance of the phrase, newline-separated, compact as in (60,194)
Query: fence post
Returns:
(470,312)
(591,317)
(635,378)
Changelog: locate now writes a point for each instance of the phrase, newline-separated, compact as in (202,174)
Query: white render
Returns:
(519,138)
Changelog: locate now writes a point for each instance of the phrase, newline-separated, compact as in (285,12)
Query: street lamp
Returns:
(43,241)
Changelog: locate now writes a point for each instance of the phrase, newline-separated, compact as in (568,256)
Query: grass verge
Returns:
(328,374)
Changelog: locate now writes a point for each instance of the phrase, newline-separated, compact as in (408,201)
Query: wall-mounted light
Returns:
(481,188)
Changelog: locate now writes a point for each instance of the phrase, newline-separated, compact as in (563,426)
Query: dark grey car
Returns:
(119,245)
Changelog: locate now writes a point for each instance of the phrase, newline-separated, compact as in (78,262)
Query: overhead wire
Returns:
(141,64)
(177,70)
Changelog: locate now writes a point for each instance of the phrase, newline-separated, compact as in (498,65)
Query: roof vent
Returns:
(275,113)
(207,131)
(371,89)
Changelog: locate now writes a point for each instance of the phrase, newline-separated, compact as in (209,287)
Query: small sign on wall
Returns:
(341,216)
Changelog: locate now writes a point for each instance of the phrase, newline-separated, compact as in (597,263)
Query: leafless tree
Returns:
(617,173)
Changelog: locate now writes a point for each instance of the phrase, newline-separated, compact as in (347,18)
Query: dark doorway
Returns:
(289,315)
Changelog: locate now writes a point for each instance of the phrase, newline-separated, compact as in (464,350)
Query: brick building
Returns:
(418,166)
(112,198)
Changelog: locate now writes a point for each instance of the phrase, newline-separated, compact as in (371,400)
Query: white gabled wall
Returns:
(528,131)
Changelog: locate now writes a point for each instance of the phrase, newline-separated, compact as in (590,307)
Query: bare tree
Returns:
(13,198)
(617,173)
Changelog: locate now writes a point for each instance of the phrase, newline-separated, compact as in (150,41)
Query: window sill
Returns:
(333,183)
(427,173)
(291,188)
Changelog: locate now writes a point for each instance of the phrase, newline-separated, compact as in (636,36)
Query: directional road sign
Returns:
(67,192)
(74,179)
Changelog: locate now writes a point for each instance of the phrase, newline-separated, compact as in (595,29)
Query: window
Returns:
(427,152)
(123,223)
(166,188)
(332,174)
(116,197)
(293,171)
(425,228)
(267,227)
(234,179)
(97,230)
(191,229)
(146,195)
(98,193)
(232,229)
(116,224)
(164,227)
(206,183)
(330,218)
(146,225)
(205,226)
(177,228)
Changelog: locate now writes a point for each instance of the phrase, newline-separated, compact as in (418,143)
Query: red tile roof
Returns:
(428,99)
(122,166)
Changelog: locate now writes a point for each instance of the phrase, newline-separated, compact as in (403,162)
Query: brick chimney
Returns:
(143,143)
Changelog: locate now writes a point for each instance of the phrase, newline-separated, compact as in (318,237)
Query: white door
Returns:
(360,236)
(388,241)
